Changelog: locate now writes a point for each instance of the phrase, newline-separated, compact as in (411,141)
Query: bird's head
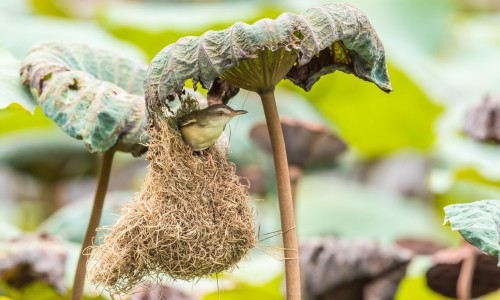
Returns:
(218,114)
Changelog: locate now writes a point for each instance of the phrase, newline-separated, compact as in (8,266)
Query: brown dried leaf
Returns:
(420,246)
(161,293)
(306,143)
(482,120)
(255,178)
(443,276)
(31,258)
(221,92)
(331,267)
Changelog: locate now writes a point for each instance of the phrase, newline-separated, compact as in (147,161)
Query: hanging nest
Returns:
(190,219)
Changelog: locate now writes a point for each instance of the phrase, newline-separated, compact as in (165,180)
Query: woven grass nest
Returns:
(189,220)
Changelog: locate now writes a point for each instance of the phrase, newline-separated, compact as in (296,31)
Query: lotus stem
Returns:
(295,175)
(292,267)
(50,197)
(95,217)
(466,276)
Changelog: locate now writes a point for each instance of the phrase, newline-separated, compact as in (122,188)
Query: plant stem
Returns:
(295,175)
(466,275)
(292,267)
(47,199)
(95,217)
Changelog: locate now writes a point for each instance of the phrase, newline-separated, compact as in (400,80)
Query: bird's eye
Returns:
(220,113)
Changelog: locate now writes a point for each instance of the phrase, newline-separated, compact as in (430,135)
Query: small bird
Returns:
(200,129)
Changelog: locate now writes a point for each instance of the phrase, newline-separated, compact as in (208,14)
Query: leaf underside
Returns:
(327,38)
(12,92)
(478,222)
(92,94)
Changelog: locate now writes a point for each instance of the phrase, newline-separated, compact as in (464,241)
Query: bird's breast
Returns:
(200,138)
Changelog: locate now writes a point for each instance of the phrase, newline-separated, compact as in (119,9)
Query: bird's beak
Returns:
(239,112)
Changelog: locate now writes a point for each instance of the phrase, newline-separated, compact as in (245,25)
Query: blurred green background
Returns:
(407,157)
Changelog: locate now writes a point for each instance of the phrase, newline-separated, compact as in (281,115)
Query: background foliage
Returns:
(407,157)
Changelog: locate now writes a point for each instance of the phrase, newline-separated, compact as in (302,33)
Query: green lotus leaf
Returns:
(71,220)
(478,222)
(8,230)
(12,93)
(57,156)
(16,117)
(324,195)
(92,94)
(324,39)
(366,117)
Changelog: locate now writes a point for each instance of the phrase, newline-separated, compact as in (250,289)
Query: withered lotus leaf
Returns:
(92,94)
(323,39)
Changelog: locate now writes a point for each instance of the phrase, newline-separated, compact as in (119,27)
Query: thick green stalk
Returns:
(292,267)
(95,217)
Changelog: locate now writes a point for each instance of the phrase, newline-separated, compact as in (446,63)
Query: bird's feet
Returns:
(206,154)
(209,158)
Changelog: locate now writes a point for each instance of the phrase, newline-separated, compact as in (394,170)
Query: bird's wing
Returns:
(186,121)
